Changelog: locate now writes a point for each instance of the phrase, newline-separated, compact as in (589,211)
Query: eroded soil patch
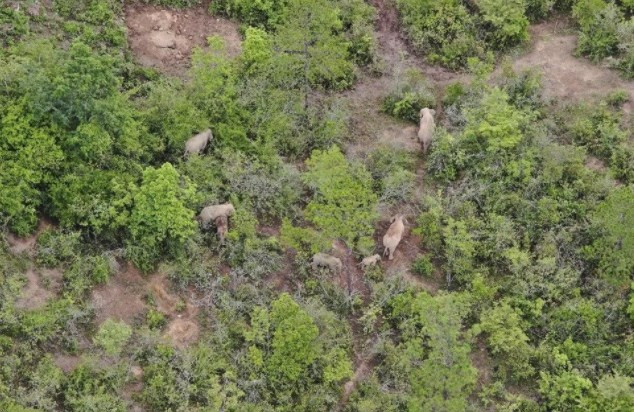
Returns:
(127,297)
(41,286)
(26,244)
(164,38)
(566,77)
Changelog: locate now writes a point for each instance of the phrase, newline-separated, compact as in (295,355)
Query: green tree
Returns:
(344,205)
(495,123)
(507,340)
(614,249)
(505,20)
(29,156)
(435,354)
(160,221)
(112,336)
(293,346)
(311,50)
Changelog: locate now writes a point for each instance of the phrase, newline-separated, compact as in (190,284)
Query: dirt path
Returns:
(566,77)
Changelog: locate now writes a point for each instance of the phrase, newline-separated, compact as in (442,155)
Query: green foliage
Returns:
(564,391)
(344,205)
(174,3)
(293,343)
(155,319)
(303,239)
(495,124)
(506,338)
(29,155)
(599,37)
(56,247)
(443,30)
(433,354)
(160,221)
(539,9)
(112,336)
(13,24)
(423,267)
(408,97)
(314,54)
(614,248)
(264,13)
(505,20)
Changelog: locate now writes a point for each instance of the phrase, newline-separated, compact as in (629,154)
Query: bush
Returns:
(539,9)
(55,247)
(423,267)
(505,22)
(409,96)
(443,30)
(344,205)
(599,38)
(112,336)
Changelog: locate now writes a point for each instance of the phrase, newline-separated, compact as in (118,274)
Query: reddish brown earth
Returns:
(125,297)
(164,38)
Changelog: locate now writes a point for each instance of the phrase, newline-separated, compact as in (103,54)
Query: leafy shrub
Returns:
(160,221)
(398,187)
(344,205)
(625,34)
(505,21)
(264,13)
(409,96)
(13,24)
(599,38)
(155,319)
(174,3)
(443,30)
(112,336)
(539,9)
(55,247)
(423,267)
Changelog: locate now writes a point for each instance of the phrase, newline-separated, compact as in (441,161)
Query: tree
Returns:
(441,375)
(507,22)
(311,50)
(293,344)
(614,248)
(29,156)
(160,221)
(507,339)
(495,123)
(112,336)
(344,205)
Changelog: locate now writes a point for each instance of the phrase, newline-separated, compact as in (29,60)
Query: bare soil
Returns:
(42,285)
(566,77)
(66,362)
(122,298)
(18,245)
(125,298)
(164,38)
